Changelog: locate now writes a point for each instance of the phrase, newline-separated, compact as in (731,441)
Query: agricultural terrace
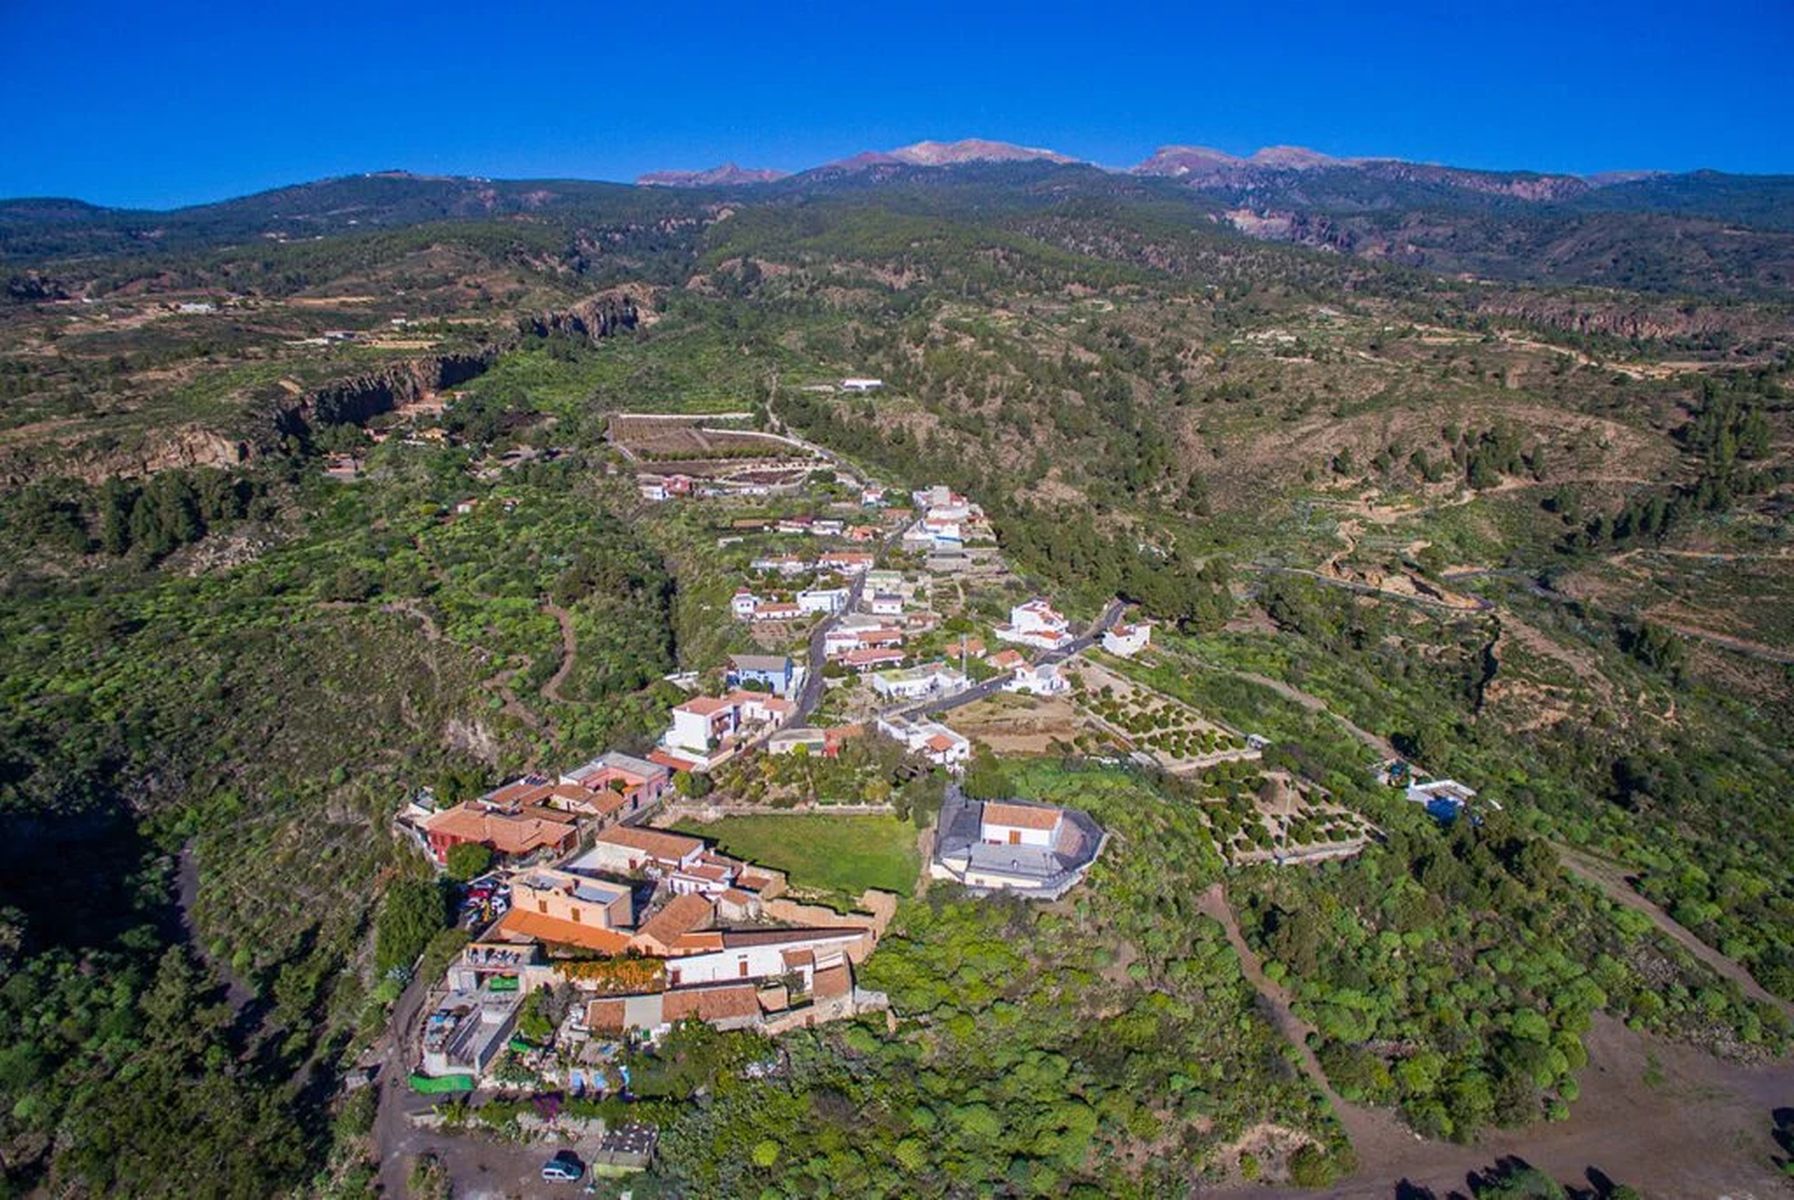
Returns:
(1262,816)
(673,439)
(1176,735)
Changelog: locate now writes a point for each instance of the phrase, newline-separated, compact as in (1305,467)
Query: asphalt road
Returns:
(811,695)
(991,687)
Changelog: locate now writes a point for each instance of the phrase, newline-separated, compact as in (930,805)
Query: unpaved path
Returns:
(1726,641)
(569,651)
(1666,1118)
(237,993)
(1375,1135)
(1662,1116)
(1313,703)
(1610,878)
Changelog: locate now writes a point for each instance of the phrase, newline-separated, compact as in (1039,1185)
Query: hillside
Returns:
(314,498)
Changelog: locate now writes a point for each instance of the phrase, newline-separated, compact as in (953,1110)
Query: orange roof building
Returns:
(509,835)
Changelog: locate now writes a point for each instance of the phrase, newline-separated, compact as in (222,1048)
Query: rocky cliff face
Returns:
(354,400)
(604,315)
(1667,320)
(95,461)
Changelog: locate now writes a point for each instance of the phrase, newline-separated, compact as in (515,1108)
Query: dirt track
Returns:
(1667,1118)
(1611,879)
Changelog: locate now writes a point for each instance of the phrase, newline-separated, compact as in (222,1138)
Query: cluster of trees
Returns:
(168,510)
(1454,975)
(1038,1052)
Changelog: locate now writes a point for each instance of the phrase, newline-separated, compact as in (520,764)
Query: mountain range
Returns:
(1701,232)
(1197,165)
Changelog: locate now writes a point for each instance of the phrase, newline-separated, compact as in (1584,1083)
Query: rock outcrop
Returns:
(604,315)
(356,399)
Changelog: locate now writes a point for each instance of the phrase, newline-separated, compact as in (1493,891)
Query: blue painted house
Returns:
(766,672)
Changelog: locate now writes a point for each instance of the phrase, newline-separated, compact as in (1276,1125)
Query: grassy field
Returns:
(844,854)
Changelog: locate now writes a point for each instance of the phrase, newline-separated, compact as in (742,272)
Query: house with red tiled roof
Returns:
(660,934)
(508,833)
(631,850)
(871,658)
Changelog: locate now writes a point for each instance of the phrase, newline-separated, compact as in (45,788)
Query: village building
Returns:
(885,604)
(929,740)
(822,600)
(1127,640)
(871,658)
(1035,850)
(567,908)
(705,730)
(773,672)
(782,564)
(915,683)
(1036,623)
(1043,679)
(848,562)
(636,783)
(527,817)
(630,850)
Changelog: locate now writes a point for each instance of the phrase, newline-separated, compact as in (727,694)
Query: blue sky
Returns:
(172,103)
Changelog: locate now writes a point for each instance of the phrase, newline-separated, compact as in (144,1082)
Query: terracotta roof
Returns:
(866,655)
(684,915)
(673,846)
(606,1015)
(798,958)
(704,706)
(710,1003)
(830,982)
(506,834)
(1020,816)
(737,896)
(1004,660)
(540,927)
(940,742)
(672,762)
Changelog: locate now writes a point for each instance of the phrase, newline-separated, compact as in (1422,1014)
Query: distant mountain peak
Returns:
(728,174)
(1199,161)
(950,154)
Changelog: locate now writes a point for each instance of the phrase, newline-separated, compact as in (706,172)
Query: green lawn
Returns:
(846,854)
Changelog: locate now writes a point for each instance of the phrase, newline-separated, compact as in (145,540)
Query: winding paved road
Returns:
(991,687)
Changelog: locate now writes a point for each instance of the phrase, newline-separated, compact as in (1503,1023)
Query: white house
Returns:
(930,739)
(1036,623)
(1004,846)
(930,679)
(701,723)
(1127,640)
(1041,679)
(885,604)
(777,610)
(858,384)
(743,603)
(704,725)
(822,600)
(1018,824)
(782,564)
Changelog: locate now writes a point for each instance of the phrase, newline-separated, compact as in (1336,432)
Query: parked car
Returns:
(564,1167)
